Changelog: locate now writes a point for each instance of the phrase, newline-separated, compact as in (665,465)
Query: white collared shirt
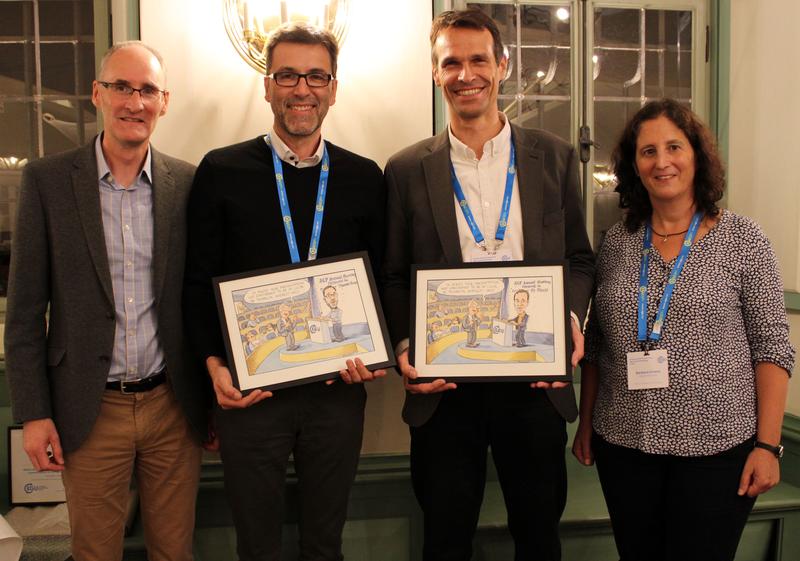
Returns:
(287,155)
(484,182)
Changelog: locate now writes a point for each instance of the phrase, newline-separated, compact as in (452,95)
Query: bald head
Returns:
(101,74)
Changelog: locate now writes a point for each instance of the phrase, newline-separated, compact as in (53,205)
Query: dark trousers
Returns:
(322,426)
(673,508)
(448,469)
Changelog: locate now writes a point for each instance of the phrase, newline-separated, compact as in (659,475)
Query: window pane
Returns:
(545,25)
(57,17)
(17,69)
(18,123)
(666,27)
(14,17)
(58,68)
(616,27)
(85,19)
(86,68)
(510,86)
(669,52)
(67,124)
(548,114)
(546,71)
(609,120)
(617,68)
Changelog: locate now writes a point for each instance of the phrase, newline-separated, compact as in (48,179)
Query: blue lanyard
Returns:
(663,306)
(504,210)
(322,188)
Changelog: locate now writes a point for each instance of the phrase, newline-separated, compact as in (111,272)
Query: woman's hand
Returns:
(760,474)
(582,445)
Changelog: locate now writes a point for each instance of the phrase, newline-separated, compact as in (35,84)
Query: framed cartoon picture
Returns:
(490,321)
(300,323)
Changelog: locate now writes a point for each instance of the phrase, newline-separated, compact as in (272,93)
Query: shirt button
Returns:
(130,300)
(487,204)
(127,227)
(129,264)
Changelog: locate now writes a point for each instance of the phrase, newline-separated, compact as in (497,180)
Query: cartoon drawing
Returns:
(286,325)
(251,342)
(302,321)
(437,330)
(489,320)
(471,323)
(520,321)
(252,320)
(331,297)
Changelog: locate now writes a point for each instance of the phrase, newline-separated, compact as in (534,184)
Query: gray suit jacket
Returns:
(422,228)
(59,368)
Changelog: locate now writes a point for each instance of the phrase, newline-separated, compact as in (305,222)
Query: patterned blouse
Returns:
(726,314)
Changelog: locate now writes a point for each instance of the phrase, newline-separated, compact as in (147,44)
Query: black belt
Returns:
(136,386)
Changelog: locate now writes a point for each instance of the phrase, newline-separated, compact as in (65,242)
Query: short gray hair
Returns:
(305,35)
(127,45)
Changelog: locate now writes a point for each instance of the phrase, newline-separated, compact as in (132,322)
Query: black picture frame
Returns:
(275,303)
(463,328)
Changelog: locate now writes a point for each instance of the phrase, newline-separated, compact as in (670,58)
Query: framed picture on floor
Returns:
(300,323)
(490,322)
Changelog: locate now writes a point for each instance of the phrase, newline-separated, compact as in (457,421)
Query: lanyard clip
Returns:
(646,347)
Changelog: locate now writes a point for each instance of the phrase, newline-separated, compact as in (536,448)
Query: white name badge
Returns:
(648,371)
(478,255)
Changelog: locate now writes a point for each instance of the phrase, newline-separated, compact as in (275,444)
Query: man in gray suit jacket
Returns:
(451,428)
(102,381)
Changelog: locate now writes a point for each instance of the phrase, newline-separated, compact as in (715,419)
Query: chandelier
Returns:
(249,23)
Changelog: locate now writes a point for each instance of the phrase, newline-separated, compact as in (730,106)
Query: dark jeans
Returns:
(673,508)
(448,469)
(322,426)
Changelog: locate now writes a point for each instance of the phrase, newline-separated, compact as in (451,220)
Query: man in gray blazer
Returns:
(102,380)
(451,428)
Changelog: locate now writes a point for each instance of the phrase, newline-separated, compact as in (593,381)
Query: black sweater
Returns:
(235,223)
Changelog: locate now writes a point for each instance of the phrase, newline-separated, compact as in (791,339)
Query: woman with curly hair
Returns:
(687,350)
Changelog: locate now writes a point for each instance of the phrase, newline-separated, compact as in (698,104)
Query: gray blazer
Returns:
(59,258)
(422,228)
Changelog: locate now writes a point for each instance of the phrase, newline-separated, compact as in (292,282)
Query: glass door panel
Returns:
(638,54)
(538,91)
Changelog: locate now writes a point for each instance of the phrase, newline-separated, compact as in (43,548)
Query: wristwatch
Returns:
(777,450)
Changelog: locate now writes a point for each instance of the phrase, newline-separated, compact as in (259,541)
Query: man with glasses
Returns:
(93,338)
(522,188)
(258,204)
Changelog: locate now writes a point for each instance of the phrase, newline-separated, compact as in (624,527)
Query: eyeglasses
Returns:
(291,79)
(118,89)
